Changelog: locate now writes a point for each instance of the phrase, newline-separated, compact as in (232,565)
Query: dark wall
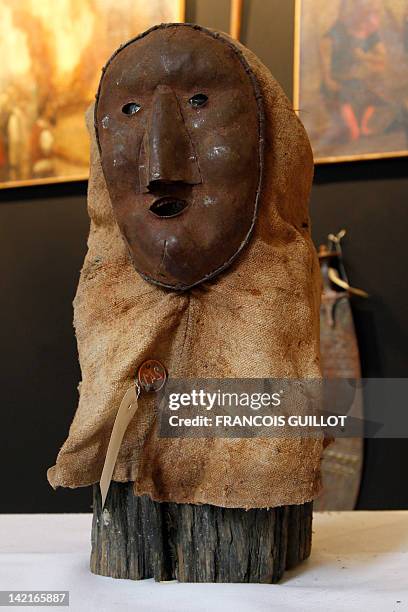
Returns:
(267,29)
(43,234)
(369,199)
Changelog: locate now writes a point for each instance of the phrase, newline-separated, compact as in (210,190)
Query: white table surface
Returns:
(359,562)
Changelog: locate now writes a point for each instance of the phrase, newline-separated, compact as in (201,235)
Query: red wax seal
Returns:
(151,375)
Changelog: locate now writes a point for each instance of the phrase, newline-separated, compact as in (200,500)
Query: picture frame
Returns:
(43,137)
(361,117)
(236,9)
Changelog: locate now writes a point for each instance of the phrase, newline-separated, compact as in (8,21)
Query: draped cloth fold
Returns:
(260,318)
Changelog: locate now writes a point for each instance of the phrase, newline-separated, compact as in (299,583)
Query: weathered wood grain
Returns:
(137,538)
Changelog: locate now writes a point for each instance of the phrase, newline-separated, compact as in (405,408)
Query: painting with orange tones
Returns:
(351,77)
(51,54)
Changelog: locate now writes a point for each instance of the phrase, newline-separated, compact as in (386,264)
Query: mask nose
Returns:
(167,154)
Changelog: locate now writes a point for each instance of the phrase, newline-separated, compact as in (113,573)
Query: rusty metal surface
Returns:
(151,375)
(179,123)
(342,460)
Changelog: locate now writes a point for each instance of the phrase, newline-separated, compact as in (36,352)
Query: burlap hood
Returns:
(260,318)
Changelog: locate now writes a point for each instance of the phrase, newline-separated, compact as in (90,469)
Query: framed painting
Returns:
(52,54)
(351,77)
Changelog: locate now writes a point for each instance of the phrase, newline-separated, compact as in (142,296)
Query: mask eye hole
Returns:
(198,100)
(131,108)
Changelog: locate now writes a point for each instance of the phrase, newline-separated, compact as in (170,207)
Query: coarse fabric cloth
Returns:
(258,319)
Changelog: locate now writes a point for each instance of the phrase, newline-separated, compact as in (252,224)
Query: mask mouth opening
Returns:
(168,207)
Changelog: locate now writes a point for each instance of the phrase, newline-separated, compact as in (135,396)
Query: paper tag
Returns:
(151,376)
(126,412)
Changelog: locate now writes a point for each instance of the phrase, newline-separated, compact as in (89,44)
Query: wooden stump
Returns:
(137,538)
